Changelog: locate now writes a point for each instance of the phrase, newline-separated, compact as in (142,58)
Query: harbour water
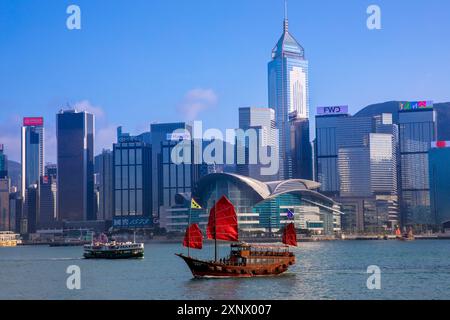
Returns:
(324,270)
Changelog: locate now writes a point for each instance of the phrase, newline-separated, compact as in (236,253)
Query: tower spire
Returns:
(286,21)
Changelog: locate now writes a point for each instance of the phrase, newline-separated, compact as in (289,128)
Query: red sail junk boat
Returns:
(245,260)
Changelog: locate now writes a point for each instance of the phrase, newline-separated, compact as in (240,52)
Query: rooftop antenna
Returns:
(286,21)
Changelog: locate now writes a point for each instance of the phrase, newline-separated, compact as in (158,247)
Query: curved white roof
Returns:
(268,189)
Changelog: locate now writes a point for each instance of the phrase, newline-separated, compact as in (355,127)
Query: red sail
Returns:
(290,235)
(193,238)
(222,223)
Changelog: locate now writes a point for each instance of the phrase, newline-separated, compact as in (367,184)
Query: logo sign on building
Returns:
(178,136)
(136,222)
(416,105)
(33,122)
(440,144)
(323,111)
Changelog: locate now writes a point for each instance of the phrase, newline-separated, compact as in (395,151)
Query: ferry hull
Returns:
(114,254)
(212,270)
(110,255)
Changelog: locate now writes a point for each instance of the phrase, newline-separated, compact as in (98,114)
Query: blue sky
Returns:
(138,62)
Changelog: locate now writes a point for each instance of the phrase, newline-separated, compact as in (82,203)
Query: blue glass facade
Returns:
(439,159)
(357,164)
(417,130)
(161,133)
(75,143)
(5,223)
(3,163)
(288,82)
(132,184)
(32,155)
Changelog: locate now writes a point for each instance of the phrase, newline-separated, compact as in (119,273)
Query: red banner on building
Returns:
(33,122)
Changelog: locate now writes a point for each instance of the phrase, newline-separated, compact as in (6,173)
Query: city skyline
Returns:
(106,91)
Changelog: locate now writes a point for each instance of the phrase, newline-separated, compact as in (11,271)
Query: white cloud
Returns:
(196,101)
(104,138)
(85,105)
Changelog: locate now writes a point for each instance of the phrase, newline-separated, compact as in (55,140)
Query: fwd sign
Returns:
(332,110)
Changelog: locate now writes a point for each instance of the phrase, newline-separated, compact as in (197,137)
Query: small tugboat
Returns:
(104,249)
(245,260)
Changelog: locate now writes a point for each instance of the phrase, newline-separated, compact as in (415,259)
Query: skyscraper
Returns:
(32,152)
(160,134)
(177,179)
(288,92)
(75,154)
(3,163)
(417,122)
(104,171)
(327,147)
(31,209)
(262,121)
(356,163)
(47,202)
(439,157)
(132,182)
(301,150)
(15,210)
(5,185)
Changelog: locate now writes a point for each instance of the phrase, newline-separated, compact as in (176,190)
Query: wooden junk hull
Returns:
(208,269)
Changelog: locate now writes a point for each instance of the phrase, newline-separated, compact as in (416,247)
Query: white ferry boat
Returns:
(9,239)
(113,250)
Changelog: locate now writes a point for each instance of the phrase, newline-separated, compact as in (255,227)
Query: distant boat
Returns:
(102,248)
(9,239)
(245,260)
(409,236)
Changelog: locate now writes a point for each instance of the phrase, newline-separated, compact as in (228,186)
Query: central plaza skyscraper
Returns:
(288,94)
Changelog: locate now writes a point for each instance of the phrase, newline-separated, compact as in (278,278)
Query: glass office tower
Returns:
(161,133)
(5,186)
(132,180)
(3,163)
(356,163)
(32,152)
(302,157)
(439,159)
(75,154)
(288,93)
(104,172)
(417,129)
(47,203)
(262,122)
